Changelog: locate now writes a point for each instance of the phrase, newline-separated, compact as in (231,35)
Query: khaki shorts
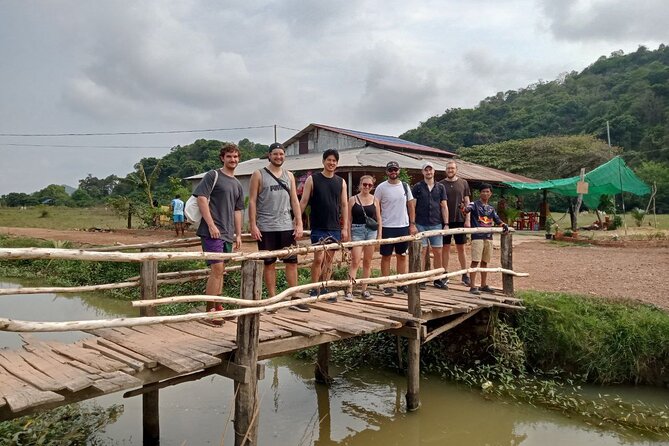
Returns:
(481,250)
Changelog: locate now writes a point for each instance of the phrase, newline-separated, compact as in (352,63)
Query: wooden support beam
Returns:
(413,366)
(228,369)
(322,371)
(417,332)
(246,401)
(507,262)
(455,322)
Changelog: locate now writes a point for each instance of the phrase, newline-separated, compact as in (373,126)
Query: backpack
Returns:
(191,208)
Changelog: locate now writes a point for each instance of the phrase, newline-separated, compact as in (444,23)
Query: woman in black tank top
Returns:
(360,205)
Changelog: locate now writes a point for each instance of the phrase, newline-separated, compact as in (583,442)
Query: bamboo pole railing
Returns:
(177,277)
(278,301)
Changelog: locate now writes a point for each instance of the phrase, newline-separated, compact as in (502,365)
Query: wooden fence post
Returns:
(246,401)
(148,272)
(413,360)
(507,262)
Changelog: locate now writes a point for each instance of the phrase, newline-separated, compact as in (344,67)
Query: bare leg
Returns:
(461,256)
(326,271)
(385,266)
(356,254)
(368,255)
(291,274)
(401,263)
(317,266)
(215,282)
(437,257)
(445,253)
(472,276)
(484,275)
(269,273)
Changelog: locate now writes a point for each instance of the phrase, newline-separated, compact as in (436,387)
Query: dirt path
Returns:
(635,271)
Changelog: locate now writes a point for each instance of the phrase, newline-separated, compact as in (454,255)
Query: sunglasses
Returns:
(367,185)
(393,169)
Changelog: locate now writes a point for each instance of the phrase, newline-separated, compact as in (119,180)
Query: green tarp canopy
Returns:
(611,178)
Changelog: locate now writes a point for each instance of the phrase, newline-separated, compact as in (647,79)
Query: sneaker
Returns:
(402,289)
(387,291)
(440,284)
(313,292)
(474,290)
(422,286)
(487,289)
(465,280)
(366,295)
(304,308)
(216,321)
(348,297)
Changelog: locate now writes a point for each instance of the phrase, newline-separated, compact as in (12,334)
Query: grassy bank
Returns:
(62,217)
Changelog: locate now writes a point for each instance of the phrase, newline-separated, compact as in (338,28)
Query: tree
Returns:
(55,194)
(653,172)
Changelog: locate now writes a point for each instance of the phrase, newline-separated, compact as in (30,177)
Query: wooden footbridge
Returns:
(142,355)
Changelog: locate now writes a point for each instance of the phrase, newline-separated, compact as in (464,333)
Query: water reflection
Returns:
(56,307)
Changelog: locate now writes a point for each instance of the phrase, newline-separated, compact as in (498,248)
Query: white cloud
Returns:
(373,65)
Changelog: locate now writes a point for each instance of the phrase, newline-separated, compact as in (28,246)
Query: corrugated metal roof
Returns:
(384,141)
(376,159)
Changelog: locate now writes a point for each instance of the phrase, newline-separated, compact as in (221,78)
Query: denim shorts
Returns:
(362,232)
(326,236)
(436,241)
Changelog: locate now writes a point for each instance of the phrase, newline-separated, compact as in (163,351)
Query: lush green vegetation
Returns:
(524,131)
(153,182)
(630,91)
(75,424)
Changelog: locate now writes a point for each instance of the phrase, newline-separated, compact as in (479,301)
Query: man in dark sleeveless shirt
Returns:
(326,193)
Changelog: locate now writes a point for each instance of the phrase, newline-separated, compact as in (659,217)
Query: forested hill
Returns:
(631,91)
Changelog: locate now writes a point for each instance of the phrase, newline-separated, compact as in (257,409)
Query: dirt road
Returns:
(636,270)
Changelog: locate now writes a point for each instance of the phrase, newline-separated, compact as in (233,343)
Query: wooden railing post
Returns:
(507,262)
(246,401)
(148,273)
(322,369)
(413,359)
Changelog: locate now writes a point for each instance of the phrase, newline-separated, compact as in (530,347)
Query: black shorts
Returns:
(460,239)
(401,247)
(274,240)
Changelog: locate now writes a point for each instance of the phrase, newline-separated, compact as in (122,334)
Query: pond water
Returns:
(362,407)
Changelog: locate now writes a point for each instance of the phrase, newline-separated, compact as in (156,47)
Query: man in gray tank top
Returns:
(272,200)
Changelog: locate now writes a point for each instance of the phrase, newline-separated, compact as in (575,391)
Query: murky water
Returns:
(360,408)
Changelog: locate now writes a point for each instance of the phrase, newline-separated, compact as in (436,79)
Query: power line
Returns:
(80,146)
(165,132)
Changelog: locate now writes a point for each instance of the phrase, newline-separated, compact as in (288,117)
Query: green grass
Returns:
(61,217)
(586,219)
(604,342)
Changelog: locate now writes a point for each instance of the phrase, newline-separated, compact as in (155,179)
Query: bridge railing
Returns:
(149,278)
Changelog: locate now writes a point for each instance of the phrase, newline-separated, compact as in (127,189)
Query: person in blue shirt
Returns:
(482,215)
(177,206)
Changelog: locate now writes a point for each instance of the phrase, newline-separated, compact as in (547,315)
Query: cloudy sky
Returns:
(383,66)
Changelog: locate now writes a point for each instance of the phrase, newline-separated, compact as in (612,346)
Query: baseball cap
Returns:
(276,145)
(427,164)
(392,165)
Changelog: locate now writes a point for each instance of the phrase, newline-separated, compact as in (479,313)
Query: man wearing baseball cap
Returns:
(397,212)
(272,200)
(431,214)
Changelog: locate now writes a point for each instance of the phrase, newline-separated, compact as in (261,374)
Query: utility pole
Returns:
(275,140)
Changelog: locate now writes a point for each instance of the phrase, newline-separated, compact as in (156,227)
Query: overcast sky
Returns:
(380,66)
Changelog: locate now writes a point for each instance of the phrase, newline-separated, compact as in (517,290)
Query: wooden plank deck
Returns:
(49,374)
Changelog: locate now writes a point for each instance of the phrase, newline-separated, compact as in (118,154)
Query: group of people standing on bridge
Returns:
(395,209)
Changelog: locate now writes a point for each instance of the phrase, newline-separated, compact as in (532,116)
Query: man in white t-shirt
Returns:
(398,213)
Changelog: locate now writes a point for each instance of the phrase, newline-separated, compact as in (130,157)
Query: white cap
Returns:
(428,164)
